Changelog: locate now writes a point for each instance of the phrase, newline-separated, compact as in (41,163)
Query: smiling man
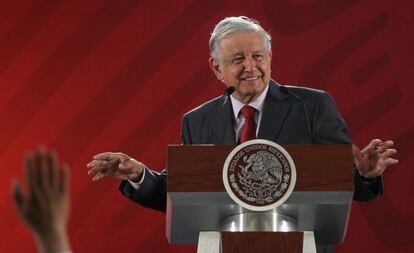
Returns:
(242,60)
(254,106)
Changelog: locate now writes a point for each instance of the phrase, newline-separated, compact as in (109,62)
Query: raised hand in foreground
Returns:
(45,206)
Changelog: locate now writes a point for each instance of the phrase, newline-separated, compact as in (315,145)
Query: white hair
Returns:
(233,25)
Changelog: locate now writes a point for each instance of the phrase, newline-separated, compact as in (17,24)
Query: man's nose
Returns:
(249,64)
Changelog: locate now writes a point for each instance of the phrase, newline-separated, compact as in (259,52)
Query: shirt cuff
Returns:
(136,185)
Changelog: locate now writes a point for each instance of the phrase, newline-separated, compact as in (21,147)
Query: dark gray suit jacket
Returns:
(291,115)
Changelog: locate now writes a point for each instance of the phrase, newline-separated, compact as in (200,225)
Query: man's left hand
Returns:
(374,158)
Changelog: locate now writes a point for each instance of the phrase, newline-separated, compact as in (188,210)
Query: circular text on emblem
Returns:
(259,174)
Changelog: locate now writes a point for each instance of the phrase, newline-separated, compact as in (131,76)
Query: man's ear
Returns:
(214,65)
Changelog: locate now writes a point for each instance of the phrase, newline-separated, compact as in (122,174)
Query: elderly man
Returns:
(254,106)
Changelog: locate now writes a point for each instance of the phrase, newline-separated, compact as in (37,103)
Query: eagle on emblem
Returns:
(265,167)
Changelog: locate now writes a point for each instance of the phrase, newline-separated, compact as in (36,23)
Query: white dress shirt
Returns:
(238,117)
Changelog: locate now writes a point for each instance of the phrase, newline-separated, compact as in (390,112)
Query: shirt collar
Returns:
(256,104)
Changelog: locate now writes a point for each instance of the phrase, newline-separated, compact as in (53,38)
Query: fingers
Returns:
(30,176)
(101,166)
(388,152)
(56,179)
(390,161)
(18,198)
(44,169)
(98,176)
(116,165)
(377,158)
(64,179)
(110,156)
(101,174)
(104,156)
(41,168)
(378,146)
(380,167)
(42,173)
(372,146)
(384,146)
(384,152)
(375,142)
(102,163)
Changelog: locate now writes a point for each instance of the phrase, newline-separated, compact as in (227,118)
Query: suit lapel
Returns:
(223,130)
(275,110)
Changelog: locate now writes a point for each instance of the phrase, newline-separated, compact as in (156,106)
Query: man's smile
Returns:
(252,78)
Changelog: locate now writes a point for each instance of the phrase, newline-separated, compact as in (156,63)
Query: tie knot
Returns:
(248,112)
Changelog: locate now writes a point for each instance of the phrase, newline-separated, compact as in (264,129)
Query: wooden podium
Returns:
(197,201)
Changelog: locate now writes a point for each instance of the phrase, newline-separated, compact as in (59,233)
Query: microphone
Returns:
(226,95)
(286,91)
(229,90)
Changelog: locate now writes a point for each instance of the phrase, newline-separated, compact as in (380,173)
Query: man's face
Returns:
(244,64)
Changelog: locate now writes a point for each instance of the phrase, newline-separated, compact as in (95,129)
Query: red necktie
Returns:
(249,127)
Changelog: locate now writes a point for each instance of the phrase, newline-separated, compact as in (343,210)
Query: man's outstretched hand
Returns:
(372,161)
(115,165)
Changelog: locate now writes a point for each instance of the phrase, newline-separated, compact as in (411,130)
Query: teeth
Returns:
(251,78)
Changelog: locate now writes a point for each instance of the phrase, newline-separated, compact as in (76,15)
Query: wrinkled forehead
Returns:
(247,42)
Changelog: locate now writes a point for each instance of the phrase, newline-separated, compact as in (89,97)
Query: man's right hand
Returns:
(116,165)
